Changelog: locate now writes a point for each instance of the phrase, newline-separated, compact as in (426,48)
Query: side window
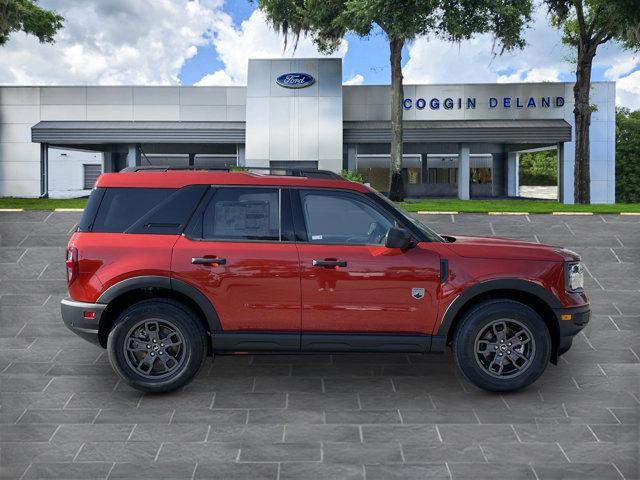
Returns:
(243,214)
(122,207)
(336,217)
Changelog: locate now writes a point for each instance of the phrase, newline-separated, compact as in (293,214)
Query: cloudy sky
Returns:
(208,42)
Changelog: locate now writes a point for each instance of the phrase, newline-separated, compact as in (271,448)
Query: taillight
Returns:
(72,264)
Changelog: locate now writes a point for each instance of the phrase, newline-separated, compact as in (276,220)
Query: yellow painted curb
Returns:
(437,213)
(508,213)
(572,213)
(630,213)
(69,210)
(11,209)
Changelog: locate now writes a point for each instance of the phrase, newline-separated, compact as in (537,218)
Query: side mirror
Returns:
(397,238)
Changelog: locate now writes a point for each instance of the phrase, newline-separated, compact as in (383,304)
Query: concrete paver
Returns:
(65,414)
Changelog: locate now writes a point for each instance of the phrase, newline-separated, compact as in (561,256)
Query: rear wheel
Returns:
(157,345)
(502,345)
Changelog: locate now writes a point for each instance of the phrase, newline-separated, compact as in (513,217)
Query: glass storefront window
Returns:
(480,175)
(443,175)
(414,175)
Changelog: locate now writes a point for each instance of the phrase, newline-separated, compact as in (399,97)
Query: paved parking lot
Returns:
(64,414)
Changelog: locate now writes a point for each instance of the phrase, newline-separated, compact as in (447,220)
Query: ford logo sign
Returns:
(295,80)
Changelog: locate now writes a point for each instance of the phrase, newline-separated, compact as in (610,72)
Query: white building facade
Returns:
(460,140)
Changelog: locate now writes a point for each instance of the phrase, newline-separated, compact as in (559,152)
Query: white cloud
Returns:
(628,91)
(219,77)
(622,65)
(357,79)
(531,75)
(114,42)
(436,61)
(253,39)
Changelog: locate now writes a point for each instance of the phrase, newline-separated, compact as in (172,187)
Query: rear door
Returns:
(240,254)
(351,282)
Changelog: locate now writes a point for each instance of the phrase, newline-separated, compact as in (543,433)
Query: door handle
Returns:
(329,263)
(208,261)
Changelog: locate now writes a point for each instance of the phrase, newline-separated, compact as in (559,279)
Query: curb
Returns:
(11,209)
(630,214)
(68,210)
(571,213)
(436,213)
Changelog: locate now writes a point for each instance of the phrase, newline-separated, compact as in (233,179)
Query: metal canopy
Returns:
(453,131)
(58,132)
(435,131)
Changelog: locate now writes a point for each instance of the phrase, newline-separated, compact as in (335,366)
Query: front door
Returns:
(239,258)
(352,283)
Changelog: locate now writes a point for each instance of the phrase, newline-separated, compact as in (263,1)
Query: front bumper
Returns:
(73,317)
(571,321)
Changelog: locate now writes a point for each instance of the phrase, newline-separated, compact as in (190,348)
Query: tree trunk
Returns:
(582,115)
(396,185)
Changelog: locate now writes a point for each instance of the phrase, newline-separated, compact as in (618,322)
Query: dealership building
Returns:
(460,140)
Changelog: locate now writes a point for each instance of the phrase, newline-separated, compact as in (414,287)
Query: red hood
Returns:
(506,248)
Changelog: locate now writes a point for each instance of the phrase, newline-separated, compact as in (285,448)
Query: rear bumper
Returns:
(74,320)
(570,327)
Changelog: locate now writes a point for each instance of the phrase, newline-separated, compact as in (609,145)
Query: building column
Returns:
(513,172)
(352,153)
(133,155)
(561,174)
(44,170)
(240,155)
(463,171)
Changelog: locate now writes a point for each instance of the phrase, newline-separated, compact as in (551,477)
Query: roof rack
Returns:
(291,172)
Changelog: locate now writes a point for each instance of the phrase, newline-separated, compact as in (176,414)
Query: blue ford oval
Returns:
(295,80)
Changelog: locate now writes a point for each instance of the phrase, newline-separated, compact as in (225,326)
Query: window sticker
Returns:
(242,218)
(316,237)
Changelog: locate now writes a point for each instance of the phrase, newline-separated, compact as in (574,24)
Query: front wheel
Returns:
(502,345)
(157,345)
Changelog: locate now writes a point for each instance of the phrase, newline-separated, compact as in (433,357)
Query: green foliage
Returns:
(327,21)
(28,17)
(539,168)
(594,22)
(627,155)
(352,176)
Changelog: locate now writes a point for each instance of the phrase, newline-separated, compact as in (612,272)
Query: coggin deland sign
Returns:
(469,103)
(302,80)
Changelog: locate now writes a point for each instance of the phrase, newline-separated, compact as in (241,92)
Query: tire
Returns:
(167,345)
(522,361)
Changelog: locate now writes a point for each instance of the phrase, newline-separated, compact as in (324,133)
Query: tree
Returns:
(539,168)
(587,24)
(627,156)
(327,22)
(28,17)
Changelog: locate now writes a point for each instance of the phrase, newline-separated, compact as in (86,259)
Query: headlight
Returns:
(575,277)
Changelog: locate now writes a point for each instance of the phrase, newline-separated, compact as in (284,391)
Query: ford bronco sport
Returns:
(168,267)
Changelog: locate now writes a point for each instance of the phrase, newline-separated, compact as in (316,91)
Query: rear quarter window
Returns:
(120,208)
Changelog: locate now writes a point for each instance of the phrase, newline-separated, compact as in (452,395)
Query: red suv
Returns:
(168,267)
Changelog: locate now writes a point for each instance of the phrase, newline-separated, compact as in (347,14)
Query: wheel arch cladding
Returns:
(523,291)
(127,292)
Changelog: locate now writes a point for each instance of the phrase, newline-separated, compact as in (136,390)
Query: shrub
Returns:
(627,156)
(539,168)
(351,175)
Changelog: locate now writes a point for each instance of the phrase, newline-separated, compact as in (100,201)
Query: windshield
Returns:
(430,234)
